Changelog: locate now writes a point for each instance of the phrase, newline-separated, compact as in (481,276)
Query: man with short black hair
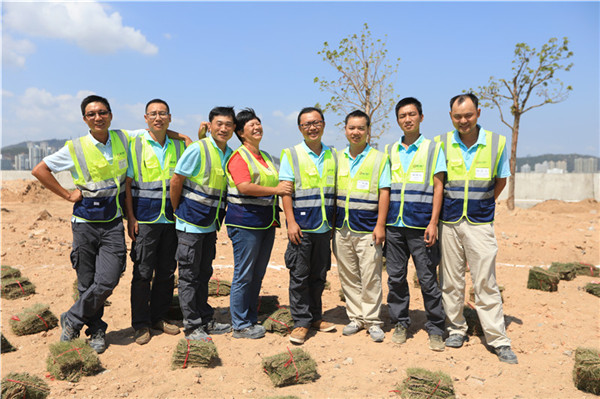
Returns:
(150,223)
(418,167)
(477,171)
(198,195)
(309,213)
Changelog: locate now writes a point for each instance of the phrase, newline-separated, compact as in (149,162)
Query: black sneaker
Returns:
(456,340)
(506,355)
(68,332)
(216,328)
(97,341)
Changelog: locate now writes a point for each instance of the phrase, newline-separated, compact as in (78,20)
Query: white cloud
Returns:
(168,36)
(14,51)
(6,93)
(87,24)
(291,117)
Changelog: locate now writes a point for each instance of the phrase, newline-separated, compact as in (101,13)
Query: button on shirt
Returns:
(61,160)
(160,152)
(287,174)
(189,165)
(468,154)
(407,155)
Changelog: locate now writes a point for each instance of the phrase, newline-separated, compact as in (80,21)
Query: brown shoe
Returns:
(298,336)
(166,327)
(142,336)
(323,326)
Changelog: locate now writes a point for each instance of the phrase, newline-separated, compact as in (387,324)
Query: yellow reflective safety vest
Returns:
(203,195)
(470,193)
(358,196)
(248,211)
(151,181)
(313,200)
(102,184)
(411,195)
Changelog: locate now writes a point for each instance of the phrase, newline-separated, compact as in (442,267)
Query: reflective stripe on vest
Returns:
(411,196)
(203,195)
(470,194)
(151,181)
(100,182)
(358,196)
(248,211)
(313,200)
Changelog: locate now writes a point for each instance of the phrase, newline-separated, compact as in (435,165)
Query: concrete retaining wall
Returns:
(532,187)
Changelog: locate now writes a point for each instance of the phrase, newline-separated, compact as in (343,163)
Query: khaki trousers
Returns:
(464,243)
(359,267)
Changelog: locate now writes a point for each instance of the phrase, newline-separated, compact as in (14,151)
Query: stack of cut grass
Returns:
(282,397)
(10,272)
(174,312)
(472,293)
(424,384)
(70,360)
(473,323)
(581,269)
(267,304)
(565,271)
(290,367)
(24,385)
(191,353)
(280,322)
(593,288)
(17,287)
(542,279)
(6,346)
(586,371)
(33,320)
(217,287)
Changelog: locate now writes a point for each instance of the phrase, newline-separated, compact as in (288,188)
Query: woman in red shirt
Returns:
(251,219)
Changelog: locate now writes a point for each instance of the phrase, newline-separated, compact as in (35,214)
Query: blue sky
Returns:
(196,55)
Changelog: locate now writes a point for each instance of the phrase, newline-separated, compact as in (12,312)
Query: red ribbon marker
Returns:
(42,319)
(291,361)
(187,354)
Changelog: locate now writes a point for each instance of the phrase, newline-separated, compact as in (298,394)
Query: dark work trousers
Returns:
(152,253)
(400,244)
(308,263)
(98,256)
(195,254)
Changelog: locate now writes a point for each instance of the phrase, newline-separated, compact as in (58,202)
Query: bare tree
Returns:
(533,74)
(365,79)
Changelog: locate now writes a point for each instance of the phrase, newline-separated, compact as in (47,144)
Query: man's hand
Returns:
(430,235)
(284,188)
(204,128)
(75,196)
(379,235)
(294,233)
(132,228)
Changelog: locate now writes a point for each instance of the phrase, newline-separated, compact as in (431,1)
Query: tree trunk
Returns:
(513,163)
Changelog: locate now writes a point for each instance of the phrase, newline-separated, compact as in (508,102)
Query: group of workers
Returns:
(433,200)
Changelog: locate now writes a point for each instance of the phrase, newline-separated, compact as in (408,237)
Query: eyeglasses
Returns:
(316,124)
(92,115)
(153,115)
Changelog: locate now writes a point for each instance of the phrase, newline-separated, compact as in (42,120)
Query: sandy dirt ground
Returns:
(545,328)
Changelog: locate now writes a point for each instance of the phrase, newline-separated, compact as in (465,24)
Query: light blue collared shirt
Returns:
(189,165)
(407,155)
(61,160)
(287,174)
(468,154)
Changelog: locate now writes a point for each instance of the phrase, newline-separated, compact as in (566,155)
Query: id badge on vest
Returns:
(417,176)
(362,185)
(482,173)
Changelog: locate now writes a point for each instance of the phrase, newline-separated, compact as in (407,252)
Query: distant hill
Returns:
(570,158)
